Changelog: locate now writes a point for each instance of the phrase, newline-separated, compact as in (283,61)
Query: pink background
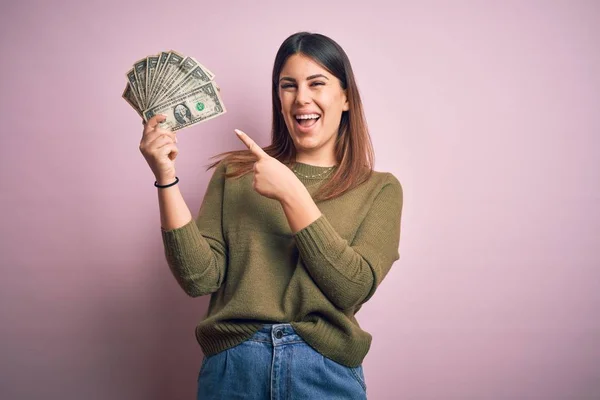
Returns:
(487,112)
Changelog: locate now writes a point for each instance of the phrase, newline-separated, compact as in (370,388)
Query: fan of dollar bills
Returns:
(179,87)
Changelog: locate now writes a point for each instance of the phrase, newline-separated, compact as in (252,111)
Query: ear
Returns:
(346,105)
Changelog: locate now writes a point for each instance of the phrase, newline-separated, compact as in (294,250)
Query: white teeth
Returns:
(307,116)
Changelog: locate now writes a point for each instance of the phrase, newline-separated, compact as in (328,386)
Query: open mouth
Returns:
(307,120)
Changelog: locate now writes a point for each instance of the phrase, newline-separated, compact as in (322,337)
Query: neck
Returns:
(316,160)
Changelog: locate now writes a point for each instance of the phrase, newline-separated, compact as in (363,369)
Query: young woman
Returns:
(290,240)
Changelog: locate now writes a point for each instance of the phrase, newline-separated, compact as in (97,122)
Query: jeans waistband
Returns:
(278,333)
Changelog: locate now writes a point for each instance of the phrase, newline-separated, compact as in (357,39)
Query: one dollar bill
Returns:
(198,105)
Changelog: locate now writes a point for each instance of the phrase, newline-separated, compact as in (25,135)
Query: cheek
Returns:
(328,101)
(331,106)
(286,101)
(281,102)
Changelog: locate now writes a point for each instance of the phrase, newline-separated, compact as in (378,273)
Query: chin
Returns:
(306,143)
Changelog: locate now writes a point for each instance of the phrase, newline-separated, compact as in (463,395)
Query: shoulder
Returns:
(386,189)
(220,168)
(216,171)
(383,179)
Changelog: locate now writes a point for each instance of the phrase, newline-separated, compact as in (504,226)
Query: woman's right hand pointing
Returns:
(159,150)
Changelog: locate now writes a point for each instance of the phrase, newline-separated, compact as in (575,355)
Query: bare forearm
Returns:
(299,208)
(174,212)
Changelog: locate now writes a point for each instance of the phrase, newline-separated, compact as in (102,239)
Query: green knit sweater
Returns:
(241,251)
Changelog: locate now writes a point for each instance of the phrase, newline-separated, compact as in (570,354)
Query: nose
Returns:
(303,95)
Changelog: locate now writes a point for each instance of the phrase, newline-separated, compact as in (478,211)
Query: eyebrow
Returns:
(287,78)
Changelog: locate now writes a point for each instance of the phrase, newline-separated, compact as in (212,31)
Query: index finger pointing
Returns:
(252,146)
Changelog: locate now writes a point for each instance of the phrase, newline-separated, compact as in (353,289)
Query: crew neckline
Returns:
(308,170)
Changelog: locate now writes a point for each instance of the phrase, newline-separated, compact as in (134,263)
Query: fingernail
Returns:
(237,131)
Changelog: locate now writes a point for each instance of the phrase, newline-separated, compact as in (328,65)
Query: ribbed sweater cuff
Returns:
(181,242)
(319,238)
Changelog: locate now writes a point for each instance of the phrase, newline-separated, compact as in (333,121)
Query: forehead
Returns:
(300,66)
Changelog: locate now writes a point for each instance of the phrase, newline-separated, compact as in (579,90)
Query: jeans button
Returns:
(278,334)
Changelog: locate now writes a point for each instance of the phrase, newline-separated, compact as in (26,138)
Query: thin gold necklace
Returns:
(313,176)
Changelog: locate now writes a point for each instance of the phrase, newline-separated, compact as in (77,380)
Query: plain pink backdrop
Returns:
(487,112)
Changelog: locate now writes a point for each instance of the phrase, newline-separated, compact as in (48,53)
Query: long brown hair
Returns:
(353,147)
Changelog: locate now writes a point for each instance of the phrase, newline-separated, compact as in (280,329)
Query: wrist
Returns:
(166,182)
(299,208)
(164,179)
(294,194)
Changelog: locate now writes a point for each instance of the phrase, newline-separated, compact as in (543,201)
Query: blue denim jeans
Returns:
(277,364)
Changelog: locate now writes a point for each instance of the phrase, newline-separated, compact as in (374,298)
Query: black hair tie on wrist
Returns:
(166,186)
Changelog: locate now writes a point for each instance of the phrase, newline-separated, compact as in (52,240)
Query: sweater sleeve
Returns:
(196,252)
(349,274)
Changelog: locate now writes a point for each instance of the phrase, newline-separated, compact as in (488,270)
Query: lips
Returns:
(306,125)
(306,120)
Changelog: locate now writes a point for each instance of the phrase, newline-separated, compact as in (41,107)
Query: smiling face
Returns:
(312,102)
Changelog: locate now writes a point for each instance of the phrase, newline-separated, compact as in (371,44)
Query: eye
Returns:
(317,83)
(287,85)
